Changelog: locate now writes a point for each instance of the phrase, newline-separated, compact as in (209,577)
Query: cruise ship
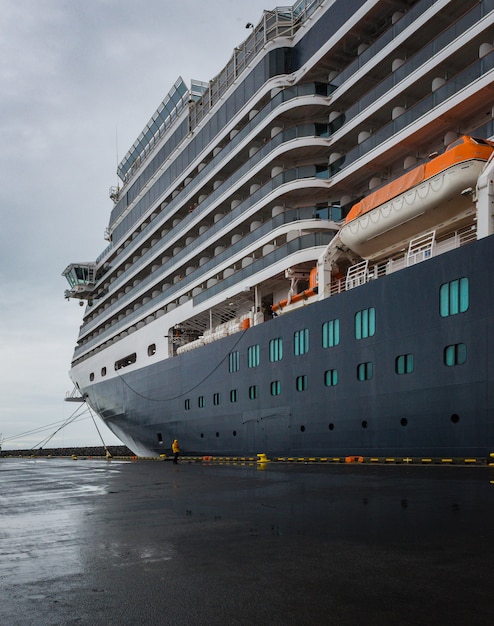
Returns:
(299,257)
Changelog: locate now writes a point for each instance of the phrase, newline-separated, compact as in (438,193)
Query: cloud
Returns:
(79,79)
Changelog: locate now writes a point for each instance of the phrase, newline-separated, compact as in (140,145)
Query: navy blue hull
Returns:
(435,410)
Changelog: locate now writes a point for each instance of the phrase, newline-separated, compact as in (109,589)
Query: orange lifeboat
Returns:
(426,198)
(299,297)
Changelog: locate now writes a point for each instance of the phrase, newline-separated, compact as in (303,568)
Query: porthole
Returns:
(202,435)
(404,421)
(302,429)
(455,418)
(331,426)
(364,423)
(234,433)
(217,434)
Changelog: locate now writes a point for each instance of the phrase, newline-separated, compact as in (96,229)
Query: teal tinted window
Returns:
(301,383)
(301,342)
(455,354)
(253,356)
(276,349)
(331,333)
(331,378)
(200,402)
(404,364)
(253,392)
(187,404)
(216,399)
(233,395)
(364,371)
(275,388)
(234,361)
(365,323)
(454,297)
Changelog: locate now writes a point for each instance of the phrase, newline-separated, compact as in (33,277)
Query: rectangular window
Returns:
(127,360)
(404,364)
(365,323)
(301,342)
(200,402)
(253,392)
(253,357)
(455,354)
(364,371)
(233,395)
(275,388)
(152,349)
(276,349)
(234,361)
(331,333)
(103,371)
(216,399)
(301,383)
(454,297)
(187,405)
(331,378)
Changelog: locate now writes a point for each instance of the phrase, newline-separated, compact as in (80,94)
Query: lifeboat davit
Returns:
(298,299)
(426,198)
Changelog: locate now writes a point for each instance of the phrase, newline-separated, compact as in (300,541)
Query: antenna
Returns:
(115,191)
(116,142)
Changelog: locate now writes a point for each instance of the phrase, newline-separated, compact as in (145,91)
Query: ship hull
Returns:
(436,410)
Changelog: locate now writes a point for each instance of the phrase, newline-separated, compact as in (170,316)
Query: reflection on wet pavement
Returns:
(98,542)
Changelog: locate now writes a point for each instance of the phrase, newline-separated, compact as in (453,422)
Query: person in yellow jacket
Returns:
(175,450)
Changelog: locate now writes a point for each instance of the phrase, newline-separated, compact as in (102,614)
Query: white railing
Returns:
(422,250)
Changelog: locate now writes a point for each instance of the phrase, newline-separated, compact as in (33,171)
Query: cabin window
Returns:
(233,395)
(276,349)
(301,383)
(455,354)
(364,371)
(127,360)
(301,342)
(234,361)
(365,323)
(152,349)
(91,376)
(216,399)
(253,357)
(253,392)
(322,171)
(322,130)
(103,371)
(275,388)
(201,402)
(331,333)
(454,297)
(404,364)
(331,378)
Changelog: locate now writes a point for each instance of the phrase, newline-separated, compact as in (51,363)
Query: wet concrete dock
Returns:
(98,542)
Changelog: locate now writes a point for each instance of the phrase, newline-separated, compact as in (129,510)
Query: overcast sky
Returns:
(79,80)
